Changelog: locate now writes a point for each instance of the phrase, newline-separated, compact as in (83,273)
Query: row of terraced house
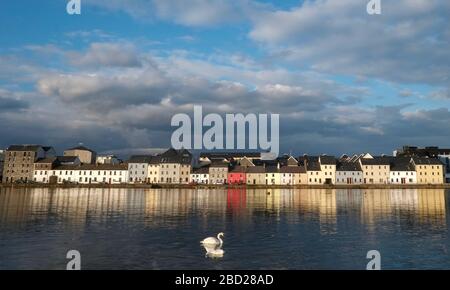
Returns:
(40,164)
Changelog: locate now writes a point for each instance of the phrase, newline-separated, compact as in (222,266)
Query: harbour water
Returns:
(264,229)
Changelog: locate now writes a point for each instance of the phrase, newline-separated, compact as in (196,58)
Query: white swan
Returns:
(213,251)
(214,241)
(216,253)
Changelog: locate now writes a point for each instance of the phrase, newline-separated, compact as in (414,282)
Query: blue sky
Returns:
(342,81)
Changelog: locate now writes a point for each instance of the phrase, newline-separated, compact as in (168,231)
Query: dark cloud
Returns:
(9,104)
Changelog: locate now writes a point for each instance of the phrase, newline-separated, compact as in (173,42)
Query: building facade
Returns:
(107,159)
(273,176)
(348,173)
(138,168)
(154,168)
(376,170)
(402,171)
(328,169)
(293,175)
(237,175)
(175,166)
(2,160)
(19,161)
(86,155)
(200,175)
(256,175)
(81,174)
(428,170)
(218,171)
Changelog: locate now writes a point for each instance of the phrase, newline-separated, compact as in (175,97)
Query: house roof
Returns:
(265,163)
(426,161)
(83,148)
(238,169)
(348,166)
(176,156)
(256,169)
(47,148)
(228,155)
(92,167)
(287,160)
(310,162)
(24,148)
(218,163)
(46,160)
(327,160)
(292,169)
(140,159)
(201,170)
(272,169)
(154,159)
(66,159)
(377,160)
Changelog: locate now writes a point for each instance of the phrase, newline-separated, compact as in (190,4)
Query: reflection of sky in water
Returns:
(276,228)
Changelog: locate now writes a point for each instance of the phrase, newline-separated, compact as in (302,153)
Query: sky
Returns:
(342,81)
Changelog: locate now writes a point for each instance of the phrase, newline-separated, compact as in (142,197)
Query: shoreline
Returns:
(210,186)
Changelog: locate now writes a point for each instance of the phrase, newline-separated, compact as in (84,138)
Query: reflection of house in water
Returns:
(236,198)
(74,206)
(426,205)
(162,205)
(318,204)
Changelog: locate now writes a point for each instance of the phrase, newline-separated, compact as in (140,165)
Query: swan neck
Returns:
(220,240)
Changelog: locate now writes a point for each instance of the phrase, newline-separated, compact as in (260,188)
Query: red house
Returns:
(237,175)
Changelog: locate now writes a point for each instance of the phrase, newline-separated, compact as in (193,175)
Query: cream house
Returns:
(293,175)
(313,169)
(175,166)
(273,176)
(256,175)
(428,170)
(86,155)
(218,171)
(153,169)
(328,169)
(376,170)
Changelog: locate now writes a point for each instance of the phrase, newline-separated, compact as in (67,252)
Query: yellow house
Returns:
(328,169)
(153,170)
(273,176)
(428,170)
(313,170)
(376,170)
(256,175)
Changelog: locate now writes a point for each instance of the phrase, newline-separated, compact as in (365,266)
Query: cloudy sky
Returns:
(342,81)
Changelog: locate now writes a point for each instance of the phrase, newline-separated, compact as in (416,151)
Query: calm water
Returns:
(161,229)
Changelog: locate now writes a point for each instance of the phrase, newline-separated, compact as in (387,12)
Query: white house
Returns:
(200,175)
(107,159)
(402,171)
(83,174)
(154,168)
(349,173)
(138,168)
